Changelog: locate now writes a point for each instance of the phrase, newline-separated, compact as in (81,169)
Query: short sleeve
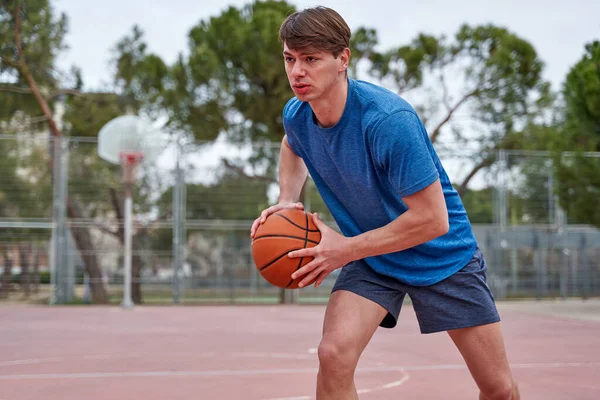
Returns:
(402,149)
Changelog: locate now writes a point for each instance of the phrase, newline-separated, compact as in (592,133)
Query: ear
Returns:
(344,58)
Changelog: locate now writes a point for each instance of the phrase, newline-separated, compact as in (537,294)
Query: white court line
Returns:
(272,355)
(29,361)
(250,372)
(389,385)
(396,383)
(97,357)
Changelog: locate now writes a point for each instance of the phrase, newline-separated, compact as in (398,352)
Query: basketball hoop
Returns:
(129,162)
(127,136)
(128,140)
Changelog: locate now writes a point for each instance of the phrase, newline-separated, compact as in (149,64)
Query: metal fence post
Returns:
(538,266)
(585,267)
(498,268)
(178,227)
(62,282)
(502,218)
(562,243)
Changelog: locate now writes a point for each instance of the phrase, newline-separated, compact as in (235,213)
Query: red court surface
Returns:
(269,352)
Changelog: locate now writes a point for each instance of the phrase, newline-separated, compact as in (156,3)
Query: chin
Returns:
(307,97)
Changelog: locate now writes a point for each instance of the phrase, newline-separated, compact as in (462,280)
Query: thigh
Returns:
(350,321)
(482,347)
(358,278)
(460,301)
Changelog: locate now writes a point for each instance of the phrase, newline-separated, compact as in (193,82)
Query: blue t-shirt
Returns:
(377,153)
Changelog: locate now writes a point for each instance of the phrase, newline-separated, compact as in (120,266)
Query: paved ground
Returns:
(269,352)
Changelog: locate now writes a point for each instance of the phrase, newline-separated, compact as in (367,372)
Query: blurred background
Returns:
(509,93)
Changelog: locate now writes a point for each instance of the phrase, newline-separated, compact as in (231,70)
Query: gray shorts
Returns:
(459,301)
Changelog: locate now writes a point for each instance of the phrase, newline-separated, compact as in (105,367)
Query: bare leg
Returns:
(515,394)
(482,347)
(350,322)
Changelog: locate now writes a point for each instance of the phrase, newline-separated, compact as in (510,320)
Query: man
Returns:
(405,229)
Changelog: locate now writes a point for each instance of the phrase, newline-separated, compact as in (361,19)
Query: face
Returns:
(312,73)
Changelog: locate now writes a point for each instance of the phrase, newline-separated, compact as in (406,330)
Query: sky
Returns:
(557,30)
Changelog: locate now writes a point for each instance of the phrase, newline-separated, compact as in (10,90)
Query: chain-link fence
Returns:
(61,221)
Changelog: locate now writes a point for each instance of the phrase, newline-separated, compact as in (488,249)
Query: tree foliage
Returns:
(485,79)
(31,39)
(578,174)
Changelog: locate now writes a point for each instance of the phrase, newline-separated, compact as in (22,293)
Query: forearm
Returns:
(408,230)
(292,174)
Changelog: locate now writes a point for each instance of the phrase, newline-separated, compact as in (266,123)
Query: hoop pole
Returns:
(127,302)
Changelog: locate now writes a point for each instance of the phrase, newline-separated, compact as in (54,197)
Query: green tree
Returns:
(582,100)
(479,205)
(496,78)
(578,174)
(232,82)
(9,185)
(31,39)
(232,197)
(24,193)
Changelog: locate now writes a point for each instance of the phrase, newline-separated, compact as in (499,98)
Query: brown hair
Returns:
(318,28)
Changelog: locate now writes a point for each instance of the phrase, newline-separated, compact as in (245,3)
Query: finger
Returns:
(309,252)
(305,269)
(254,227)
(283,206)
(272,210)
(265,214)
(318,223)
(321,278)
(308,278)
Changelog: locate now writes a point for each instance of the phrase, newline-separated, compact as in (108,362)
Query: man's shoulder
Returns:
(378,102)
(293,108)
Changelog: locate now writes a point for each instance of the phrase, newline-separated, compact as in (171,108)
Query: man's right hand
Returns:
(271,210)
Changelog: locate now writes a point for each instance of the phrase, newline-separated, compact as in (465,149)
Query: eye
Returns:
(310,59)
(288,59)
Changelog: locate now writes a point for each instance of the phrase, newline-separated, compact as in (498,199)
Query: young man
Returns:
(405,230)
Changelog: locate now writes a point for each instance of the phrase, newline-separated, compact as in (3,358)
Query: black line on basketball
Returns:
(306,236)
(296,225)
(301,258)
(286,236)
(276,259)
(297,268)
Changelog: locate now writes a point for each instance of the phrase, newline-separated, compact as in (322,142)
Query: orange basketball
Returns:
(282,232)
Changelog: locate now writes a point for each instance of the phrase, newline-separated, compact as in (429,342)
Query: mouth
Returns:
(300,87)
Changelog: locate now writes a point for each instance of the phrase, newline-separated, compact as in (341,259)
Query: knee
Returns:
(500,390)
(337,355)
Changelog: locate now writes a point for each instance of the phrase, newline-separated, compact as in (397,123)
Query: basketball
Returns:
(283,231)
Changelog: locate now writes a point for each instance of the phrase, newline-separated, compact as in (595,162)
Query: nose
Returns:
(298,70)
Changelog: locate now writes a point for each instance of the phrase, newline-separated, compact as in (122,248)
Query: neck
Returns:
(329,108)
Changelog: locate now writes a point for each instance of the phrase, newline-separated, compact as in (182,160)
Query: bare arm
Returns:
(425,220)
(292,175)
